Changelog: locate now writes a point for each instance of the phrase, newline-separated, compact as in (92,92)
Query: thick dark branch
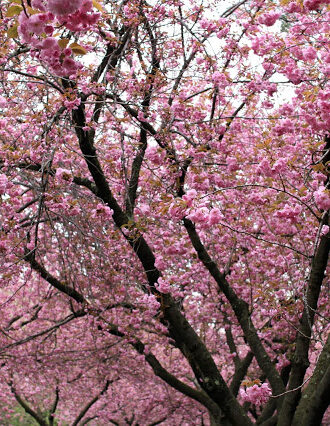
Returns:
(86,183)
(300,361)
(138,160)
(307,401)
(182,178)
(29,257)
(319,402)
(104,192)
(179,328)
(232,346)
(135,173)
(202,363)
(240,373)
(162,373)
(214,102)
(241,366)
(52,410)
(176,383)
(240,308)
(104,63)
(326,159)
(26,406)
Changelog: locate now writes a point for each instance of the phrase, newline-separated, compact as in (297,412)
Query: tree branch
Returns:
(179,328)
(300,360)
(307,400)
(319,402)
(69,318)
(91,402)
(137,162)
(86,183)
(139,346)
(26,406)
(29,257)
(52,410)
(240,308)
(240,373)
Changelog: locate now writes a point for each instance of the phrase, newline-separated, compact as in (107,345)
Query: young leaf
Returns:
(77,49)
(12,31)
(13,11)
(63,42)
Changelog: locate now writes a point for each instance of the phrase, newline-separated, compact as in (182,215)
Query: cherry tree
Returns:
(164,202)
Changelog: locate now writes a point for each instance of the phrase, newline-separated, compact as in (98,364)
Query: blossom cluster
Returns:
(38,30)
(269,19)
(256,394)
(322,198)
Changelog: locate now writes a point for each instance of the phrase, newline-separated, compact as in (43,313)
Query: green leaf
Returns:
(63,42)
(13,11)
(77,49)
(12,31)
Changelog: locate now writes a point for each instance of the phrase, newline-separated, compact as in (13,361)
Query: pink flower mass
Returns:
(255,394)
(63,7)
(164,212)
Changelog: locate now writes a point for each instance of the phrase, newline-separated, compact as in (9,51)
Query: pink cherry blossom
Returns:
(164,198)
(3,101)
(60,7)
(270,18)
(322,198)
(3,183)
(256,394)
